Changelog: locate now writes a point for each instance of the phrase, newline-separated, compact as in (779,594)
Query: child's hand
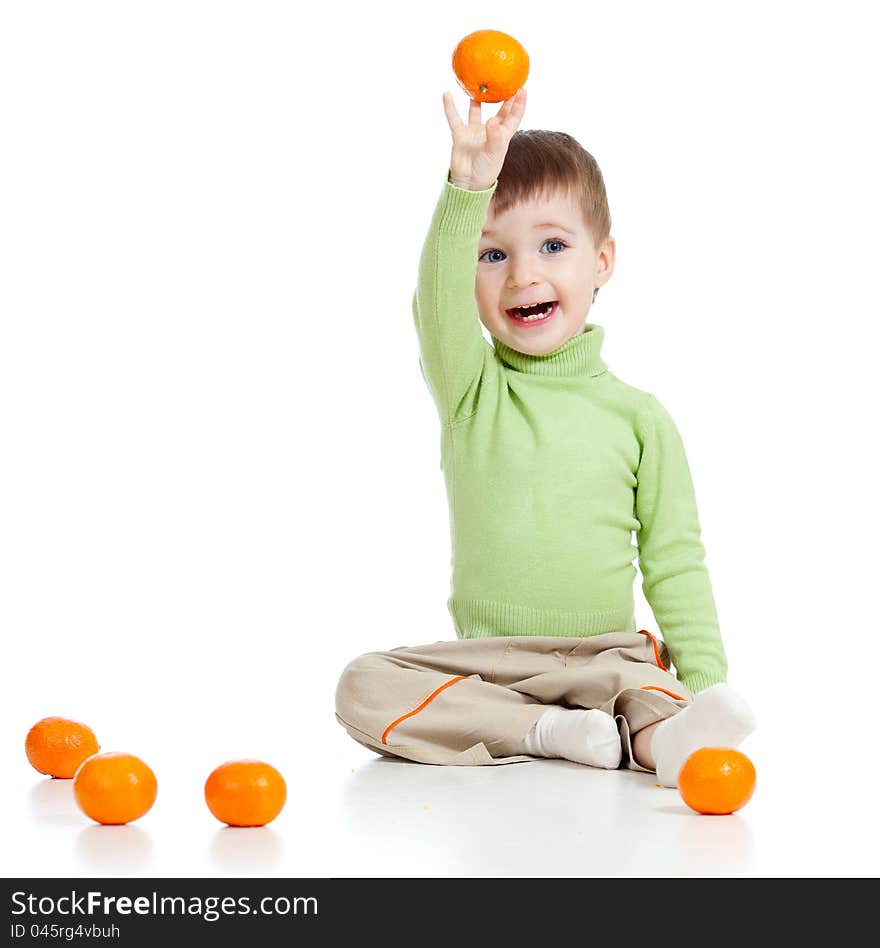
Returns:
(478,150)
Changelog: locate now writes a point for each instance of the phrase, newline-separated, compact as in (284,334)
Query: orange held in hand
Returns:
(490,66)
(114,788)
(245,793)
(716,780)
(57,746)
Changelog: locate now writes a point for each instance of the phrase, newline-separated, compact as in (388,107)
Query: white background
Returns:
(220,475)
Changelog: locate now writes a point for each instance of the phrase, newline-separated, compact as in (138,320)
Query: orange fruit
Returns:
(490,66)
(245,793)
(57,746)
(114,788)
(716,780)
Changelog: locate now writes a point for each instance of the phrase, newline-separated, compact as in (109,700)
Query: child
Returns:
(551,463)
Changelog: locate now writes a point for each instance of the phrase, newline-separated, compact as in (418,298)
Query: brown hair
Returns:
(539,162)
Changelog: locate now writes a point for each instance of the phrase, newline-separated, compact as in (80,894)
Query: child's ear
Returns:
(605,260)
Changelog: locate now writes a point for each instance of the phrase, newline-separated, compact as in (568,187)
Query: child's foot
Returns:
(718,717)
(586,737)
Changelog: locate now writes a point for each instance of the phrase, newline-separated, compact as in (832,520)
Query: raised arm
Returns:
(451,343)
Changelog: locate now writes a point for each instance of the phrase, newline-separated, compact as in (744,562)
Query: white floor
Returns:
(350,813)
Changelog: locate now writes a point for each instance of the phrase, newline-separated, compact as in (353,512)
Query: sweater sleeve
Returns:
(675,580)
(452,348)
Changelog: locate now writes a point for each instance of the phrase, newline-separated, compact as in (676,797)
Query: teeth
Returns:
(547,308)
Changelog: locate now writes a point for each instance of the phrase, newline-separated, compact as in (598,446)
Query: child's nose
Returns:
(521,274)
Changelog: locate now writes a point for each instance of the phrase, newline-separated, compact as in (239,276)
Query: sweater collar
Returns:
(579,356)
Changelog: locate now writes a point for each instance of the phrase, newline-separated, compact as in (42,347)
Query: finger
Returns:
(503,112)
(496,138)
(502,120)
(451,111)
(517,105)
(474,115)
(517,108)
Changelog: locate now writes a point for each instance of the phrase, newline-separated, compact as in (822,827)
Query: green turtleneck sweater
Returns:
(551,463)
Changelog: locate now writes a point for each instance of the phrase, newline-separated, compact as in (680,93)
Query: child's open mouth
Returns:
(535,315)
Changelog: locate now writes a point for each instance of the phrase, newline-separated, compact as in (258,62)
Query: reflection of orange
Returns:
(57,746)
(716,780)
(490,66)
(114,788)
(245,793)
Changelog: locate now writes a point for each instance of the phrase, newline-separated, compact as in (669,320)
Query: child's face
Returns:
(537,252)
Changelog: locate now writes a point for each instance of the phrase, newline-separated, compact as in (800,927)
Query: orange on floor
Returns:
(114,788)
(490,66)
(717,780)
(245,793)
(57,746)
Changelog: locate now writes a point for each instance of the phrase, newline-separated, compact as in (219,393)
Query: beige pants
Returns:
(472,701)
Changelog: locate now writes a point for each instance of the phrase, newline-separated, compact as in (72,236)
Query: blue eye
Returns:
(552,240)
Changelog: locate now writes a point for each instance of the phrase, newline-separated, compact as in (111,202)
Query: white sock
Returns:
(584,736)
(718,717)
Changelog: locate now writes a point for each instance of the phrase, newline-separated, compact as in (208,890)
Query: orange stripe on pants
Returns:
(427,701)
(671,694)
(656,650)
